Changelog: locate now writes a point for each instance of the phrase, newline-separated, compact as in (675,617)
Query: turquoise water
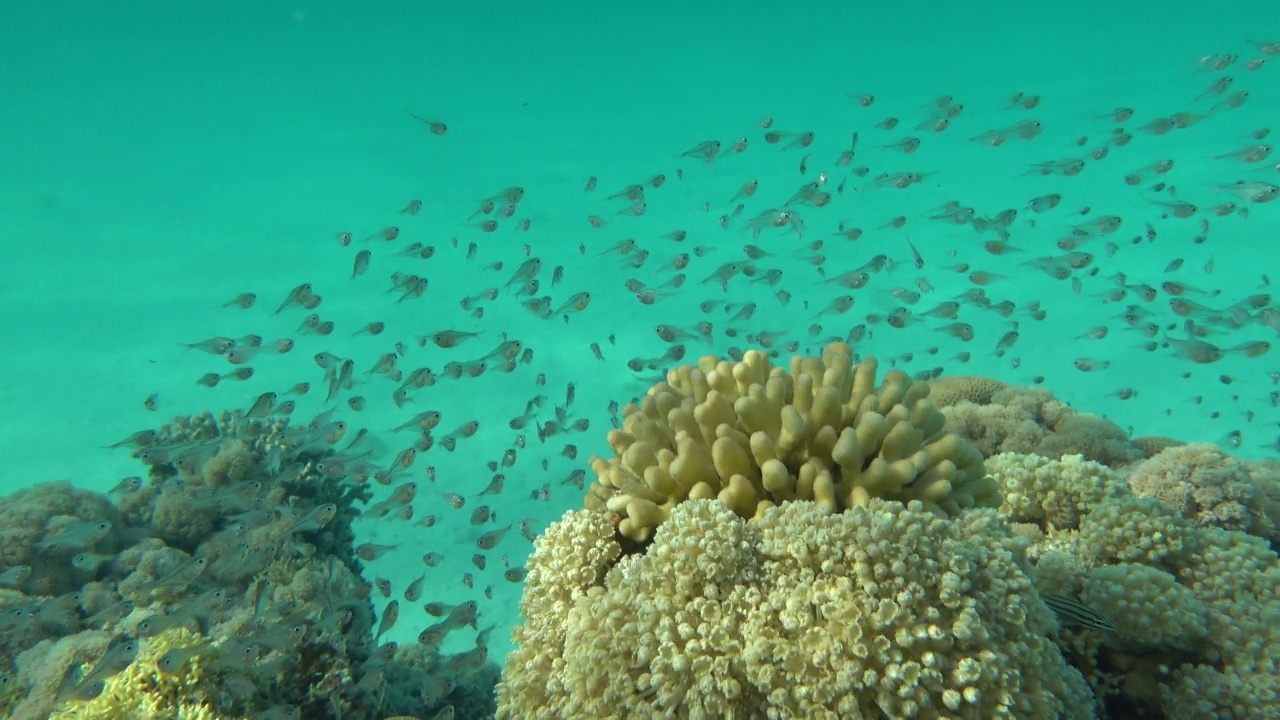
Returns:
(160,159)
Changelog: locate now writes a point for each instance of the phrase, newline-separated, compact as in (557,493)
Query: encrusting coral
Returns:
(879,611)
(752,436)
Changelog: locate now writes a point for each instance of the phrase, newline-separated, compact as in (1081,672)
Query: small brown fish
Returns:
(452,338)
(372,551)
(301,295)
(361,264)
(490,540)
(316,519)
(1197,351)
(390,614)
(435,126)
(244,301)
(1085,364)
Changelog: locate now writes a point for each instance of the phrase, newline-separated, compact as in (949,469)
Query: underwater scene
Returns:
(451,360)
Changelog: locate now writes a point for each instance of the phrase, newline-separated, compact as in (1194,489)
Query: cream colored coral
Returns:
(952,389)
(1053,493)
(1148,607)
(994,428)
(879,611)
(1209,488)
(753,436)
(1094,437)
(1203,691)
(1237,577)
(1032,420)
(569,558)
(1059,568)
(1133,529)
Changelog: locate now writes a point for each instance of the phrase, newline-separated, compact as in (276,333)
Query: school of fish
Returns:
(860,238)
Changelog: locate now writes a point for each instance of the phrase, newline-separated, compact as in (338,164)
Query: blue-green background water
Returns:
(160,158)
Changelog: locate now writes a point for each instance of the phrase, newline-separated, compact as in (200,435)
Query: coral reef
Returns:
(1114,580)
(1053,494)
(752,436)
(1196,607)
(882,610)
(224,585)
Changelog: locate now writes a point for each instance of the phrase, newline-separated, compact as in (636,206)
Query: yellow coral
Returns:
(878,611)
(142,692)
(752,436)
(569,558)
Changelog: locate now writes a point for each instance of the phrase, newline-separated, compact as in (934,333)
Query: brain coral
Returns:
(879,611)
(753,436)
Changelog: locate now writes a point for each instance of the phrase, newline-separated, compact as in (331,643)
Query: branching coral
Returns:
(143,692)
(879,611)
(753,436)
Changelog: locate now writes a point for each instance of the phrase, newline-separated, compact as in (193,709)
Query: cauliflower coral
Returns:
(883,610)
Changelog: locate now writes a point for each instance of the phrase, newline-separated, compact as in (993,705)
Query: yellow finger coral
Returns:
(878,611)
(753,436)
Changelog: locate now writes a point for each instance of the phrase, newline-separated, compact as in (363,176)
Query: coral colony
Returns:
(812,543)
